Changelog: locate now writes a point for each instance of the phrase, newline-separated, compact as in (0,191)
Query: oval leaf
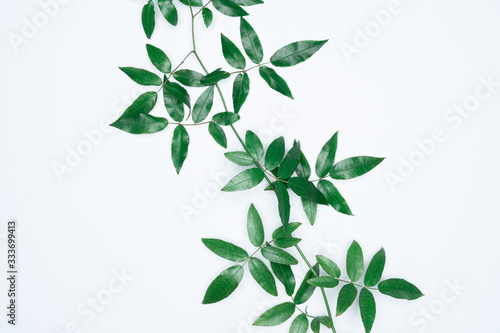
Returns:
(295,53)
(189,78)
(180,144)
(300,324)
(148,18)
(241,88)
(347,296)
(311,210)
(141,123)
(290,163)
(251,42)
(226,118)
(143,104)
(284,273)
(178,92)
(275,81)
(245,180)
(375,269)
(224,285)
(168,10)
(192,3)
(399,288)
(276,315)
(303,169)
(367,308)
(329,266)
(255,227)
(232,54)
(326,157)
(306,290)
(203,105)
(215,77)
(283,202)
(279,256)
(254,145)
(333,197)
(173,105)
(275,153)
(208,17)
(354,167)
(159,59)
(263,276)
(240,158)
(229,8)
(324,282)
(304,189)
(226,250)
(142,76)
(218,134)
(282,233)
(355,262)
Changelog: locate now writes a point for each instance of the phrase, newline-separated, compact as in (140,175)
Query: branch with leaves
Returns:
(285,171)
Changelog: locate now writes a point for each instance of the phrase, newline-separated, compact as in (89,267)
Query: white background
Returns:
(119,208)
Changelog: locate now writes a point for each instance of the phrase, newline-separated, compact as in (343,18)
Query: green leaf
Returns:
(225,118)
(193,3)
(282,233)
(355,262)
(279,256)
(276,315)
(283,202)
(251,42)
(329,266)
(287,242)
(275,153)
(240,158)
(347,296)
(232,54)
(143,104)
(323,282)
(142,76)
(315,325)
(300,324)
(375,269)
(208,17)
(284,273)
(290,163)
(354,167)
(306,290)
(303,169)
(326,157)
(214,77)
(255,227)
(333,197)
(367,308)
(304,189)
(248,2)
(325,321)
(311,210)
(174,106)
(241,88)
(178,92)
(254,145)
(159,59)
(229,8)
(263,276)
(245,180)
(224,285)
(148,18)
(203,105)
(399,288)
(295,53)
(189,78)
(141,123)
(218,134)
(225,250)
(168,11)
(180,144)
(275,81)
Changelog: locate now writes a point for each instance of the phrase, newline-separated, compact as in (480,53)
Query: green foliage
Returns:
(224,285)
(241,89)
(142,76)
(276,315)
(148,18)
(168,10)
(159,59)
(347,296)
(296,53)
(245,180)
(275,81)
(355,263)
(226,250)
(263,276)
(255,227)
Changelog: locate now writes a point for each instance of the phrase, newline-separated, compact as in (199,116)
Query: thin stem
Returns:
(249,69)
(296,306)
(175,69)
(197,124)
(204,6)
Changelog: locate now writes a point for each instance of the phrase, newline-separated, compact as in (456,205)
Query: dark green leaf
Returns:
(224,285)
(174,106)
(287,242)
(248,2)
(290,163)
(367,308)
(180,144)
(148,18)
(304,189)
(375,269)
(279,256)
(295,53)
(300,324)
(178,92)
(193,3)
(189,78)
(254,145)
(325,321)
(251,42)
(226,250)
(229,8)
(399,288)
(303,169)
(283,202)
(141,123)
(245,180)
(281,233)
(355,262)
(323,282)
(159,59)
(354,167)
(203,105)
(241,88)
(142,76)
(232,54)
(240,158)
(326,157)
(311,210)
(143,104)
(306,290)
(284,273)
(169,11)
(347,296)
(276,315)
(225,118)
(208,17)
(255,227)
(215,77)
(333,197)
(263,276)
(275,153)
(218,134)
(329,266)
(275,81)
(315,325)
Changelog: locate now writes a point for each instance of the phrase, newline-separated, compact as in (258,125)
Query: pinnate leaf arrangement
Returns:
(286,171)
